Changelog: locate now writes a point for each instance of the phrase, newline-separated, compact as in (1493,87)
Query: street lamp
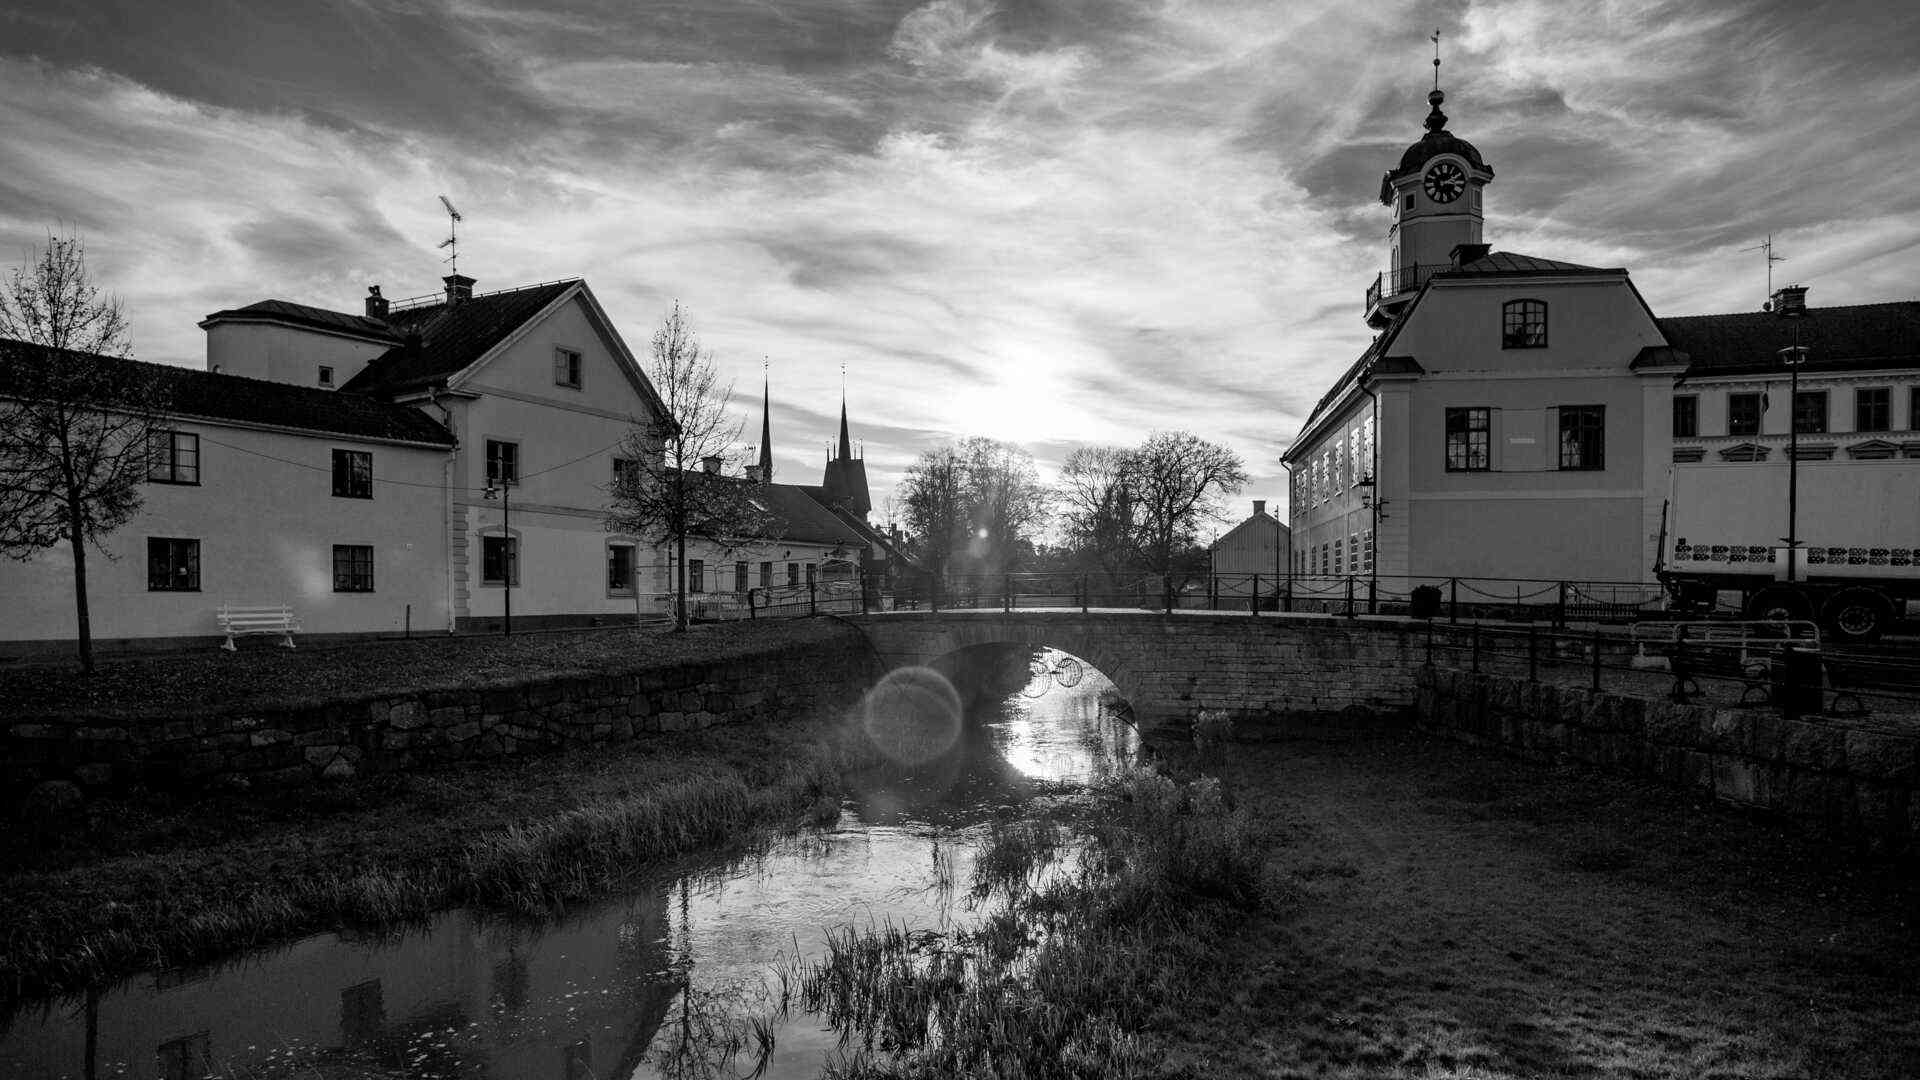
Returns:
(509,557)
(1790,303)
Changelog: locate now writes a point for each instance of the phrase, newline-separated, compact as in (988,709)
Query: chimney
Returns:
(1259,507)
(1466,253)
(376,304)
(459,288)
(711,464)
(753,472)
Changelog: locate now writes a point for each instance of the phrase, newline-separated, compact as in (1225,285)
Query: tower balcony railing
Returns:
(1403,279)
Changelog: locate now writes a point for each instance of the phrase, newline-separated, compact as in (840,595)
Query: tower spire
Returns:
(766,425)
(846,444)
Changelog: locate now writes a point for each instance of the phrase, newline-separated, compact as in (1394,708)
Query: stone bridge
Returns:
(1171,666)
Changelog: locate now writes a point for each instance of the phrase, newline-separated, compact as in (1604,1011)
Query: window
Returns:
(1743,414)
(626,473)
(620,569)
(326,375)
(1913,410)
(503,462)
(1523,324)
(353,474)
(1583,436)
(739,577)
(566,368)
(811,571)
(352,568)
(1366,549)
(696,575)
(1353,553)
(1338,547)
(766,575)
(173,457)
(793,573)
(173,565)
(1468,435)
(1686,416)
(1873,409)
(499,560)
(1810,412)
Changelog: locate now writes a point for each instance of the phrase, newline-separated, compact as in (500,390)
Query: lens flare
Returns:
(912,715)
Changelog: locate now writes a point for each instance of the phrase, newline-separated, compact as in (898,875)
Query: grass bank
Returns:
(165,879)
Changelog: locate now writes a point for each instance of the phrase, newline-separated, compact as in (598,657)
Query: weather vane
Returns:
(1436,57)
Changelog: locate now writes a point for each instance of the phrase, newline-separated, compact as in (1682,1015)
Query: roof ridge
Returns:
(1810,310)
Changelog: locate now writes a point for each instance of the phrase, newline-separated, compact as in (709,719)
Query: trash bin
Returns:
(1425,602)
(1797,681)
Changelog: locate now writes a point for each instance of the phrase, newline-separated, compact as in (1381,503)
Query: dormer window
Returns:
(1523,324)
(326,375)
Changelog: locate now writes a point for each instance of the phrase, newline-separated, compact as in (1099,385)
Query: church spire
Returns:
(846,443)
(766,429)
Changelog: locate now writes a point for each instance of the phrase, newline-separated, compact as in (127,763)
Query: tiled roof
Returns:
(1859,337)
(1508,262)
(799,516)
(302,315)
(451,336)
(218,397)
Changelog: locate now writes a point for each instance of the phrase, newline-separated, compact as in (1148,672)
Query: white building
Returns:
(1255,548)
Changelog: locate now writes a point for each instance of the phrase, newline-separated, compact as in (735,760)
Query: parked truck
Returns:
(1857,567)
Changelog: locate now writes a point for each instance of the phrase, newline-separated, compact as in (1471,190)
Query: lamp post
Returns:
(510,555)
(1790,303)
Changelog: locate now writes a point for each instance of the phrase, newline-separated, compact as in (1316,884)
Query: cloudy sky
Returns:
(1052,221)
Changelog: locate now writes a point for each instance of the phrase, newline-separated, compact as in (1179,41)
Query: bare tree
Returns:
(975,504)
(76,416)
(675,485)
(932,497)
(1100,515)
(1179,480)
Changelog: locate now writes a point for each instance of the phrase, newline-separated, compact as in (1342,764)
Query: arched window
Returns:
(1523,324)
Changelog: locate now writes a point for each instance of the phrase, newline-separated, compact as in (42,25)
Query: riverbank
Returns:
(160,878)
(1439,910)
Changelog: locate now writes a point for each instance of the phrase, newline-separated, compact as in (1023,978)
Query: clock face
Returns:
(1445,182)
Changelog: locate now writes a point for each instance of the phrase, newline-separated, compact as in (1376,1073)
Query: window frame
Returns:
(569,368)
(351,551)
(793,575)
(1597,430)
(188,569)
(1824,414)
(630,466)
(1913,408)
(1465,415)
(174,468)
(766,573)
(696,576)
(1691,414)
(350,458)
(740,578)
(1759,418)
(1885,407)
(632,552)
(1518,327)
(503,456)
(326,375)
(509,561)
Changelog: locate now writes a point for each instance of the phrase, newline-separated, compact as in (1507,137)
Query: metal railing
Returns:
(1401,279)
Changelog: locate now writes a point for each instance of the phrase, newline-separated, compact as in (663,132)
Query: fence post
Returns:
(1560,609)
(812,606)
(1289,594)
(1429,642)
(1256,596)
(1349,596)
(1083,594)
(1373,598)
(1476,648)
(1533,653)
(1006,593)
(863,594)
(1596,658)
(1166,591)
(751,614)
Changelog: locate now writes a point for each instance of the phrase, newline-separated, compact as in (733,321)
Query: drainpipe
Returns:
(1373,503)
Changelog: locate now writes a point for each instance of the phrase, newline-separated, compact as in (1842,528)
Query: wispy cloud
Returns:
(1053,221)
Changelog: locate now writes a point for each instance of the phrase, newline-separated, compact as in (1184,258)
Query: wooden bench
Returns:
(261,619)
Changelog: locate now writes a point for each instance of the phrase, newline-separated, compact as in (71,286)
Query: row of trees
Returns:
(977,506)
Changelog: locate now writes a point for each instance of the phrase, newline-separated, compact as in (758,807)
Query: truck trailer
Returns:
(1856,562)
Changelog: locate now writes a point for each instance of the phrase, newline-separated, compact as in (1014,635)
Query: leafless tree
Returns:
(1179,480)
(76,416)
(974,504)
(667,492)
(1100,515)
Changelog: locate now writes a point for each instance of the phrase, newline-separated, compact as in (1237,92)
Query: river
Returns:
(613,989)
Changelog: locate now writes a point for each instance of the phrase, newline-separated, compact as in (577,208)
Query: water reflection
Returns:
(472,996)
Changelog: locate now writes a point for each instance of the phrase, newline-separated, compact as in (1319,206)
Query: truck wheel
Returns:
(1779,604)
(1857,615)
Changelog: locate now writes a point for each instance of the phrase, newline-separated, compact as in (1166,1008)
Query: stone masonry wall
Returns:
(1851,780)
(404,731)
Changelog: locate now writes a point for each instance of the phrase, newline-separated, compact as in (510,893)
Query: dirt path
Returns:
(1453,913)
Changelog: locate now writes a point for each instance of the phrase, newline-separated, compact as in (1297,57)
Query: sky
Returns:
(1056,222)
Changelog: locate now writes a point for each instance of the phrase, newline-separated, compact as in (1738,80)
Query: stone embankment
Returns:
(1852,780)
(828,667)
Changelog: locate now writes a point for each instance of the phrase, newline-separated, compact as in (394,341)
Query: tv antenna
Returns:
(453,235)
(1771,259)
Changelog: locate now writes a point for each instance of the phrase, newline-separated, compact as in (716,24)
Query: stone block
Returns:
(268,737)
(446,716)
(1874,756)
(463,731)
(406,715)
(338,769)
(1742,780)
(1813,744)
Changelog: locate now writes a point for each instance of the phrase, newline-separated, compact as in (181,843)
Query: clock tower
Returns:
(1435,199)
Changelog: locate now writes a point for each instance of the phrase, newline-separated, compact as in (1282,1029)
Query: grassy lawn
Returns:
(1442,911)
(261,674)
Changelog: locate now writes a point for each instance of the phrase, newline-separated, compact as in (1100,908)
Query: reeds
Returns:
(1096,926)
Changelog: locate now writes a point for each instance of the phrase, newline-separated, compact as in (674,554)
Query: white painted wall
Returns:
(286,354)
